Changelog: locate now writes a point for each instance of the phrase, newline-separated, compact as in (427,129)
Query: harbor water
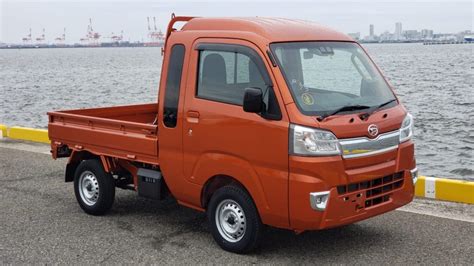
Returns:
(434,82)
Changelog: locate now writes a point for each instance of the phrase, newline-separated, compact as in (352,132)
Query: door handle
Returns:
(192,116)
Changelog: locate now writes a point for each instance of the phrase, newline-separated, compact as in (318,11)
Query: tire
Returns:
(94,188)
(234,220)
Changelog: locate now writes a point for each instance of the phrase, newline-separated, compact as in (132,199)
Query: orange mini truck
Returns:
(259,121)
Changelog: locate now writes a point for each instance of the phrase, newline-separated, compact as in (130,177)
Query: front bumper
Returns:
(414,175)
(338,196)
(384,188)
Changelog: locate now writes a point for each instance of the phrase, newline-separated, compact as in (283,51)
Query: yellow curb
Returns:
(445,189)
(3,131)
(31,134)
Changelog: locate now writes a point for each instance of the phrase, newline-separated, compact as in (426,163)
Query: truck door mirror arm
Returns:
(272,110)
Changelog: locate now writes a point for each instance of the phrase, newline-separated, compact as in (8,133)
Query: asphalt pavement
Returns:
(41,222)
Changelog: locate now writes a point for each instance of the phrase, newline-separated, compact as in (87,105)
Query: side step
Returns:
(151,184)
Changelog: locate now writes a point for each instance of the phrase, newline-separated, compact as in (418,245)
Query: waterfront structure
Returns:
(61,39)
(386,36)
(412,35)
(427,34)
(355,35)
(92,37)
(398,31)
(424,35)
(42,38)
(27,40)
(372,37)
(466,36)
(155,36)
(115,37)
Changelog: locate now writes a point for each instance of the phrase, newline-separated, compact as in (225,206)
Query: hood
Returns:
(351,125)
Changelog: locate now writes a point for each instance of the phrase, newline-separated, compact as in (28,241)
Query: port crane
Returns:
(41,39)
(116,37)
(92,37)
(155,36)
(27,39)
(61,39)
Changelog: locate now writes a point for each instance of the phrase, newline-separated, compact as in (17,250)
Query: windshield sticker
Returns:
(307,98)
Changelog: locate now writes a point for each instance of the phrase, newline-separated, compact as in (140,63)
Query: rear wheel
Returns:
(93,187)
(235,223)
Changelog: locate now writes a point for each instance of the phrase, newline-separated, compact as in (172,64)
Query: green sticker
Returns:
(307,98)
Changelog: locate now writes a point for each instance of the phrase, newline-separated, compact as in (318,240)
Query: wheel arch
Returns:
(74,160)
(214,183)
(224,169)
(220,180)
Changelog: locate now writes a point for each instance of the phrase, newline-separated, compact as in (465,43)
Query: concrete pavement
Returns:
(41,222)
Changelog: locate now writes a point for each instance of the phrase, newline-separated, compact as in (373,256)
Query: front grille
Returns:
(359,147)
(376,191)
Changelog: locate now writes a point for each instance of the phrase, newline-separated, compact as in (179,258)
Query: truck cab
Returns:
(258,121)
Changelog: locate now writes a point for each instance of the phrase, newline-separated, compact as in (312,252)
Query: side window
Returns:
(173,82)
(224,75)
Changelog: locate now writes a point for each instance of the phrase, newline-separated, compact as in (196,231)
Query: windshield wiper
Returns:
(343,109)
(385,103)
(365,116)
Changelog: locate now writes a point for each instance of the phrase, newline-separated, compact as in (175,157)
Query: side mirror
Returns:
(253,100)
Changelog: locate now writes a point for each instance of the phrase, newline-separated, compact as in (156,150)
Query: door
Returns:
(170,117)
(219,138)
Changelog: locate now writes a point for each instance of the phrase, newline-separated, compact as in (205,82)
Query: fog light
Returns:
(319,200)
(414,175)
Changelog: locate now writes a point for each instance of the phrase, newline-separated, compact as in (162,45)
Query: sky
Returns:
(17,16)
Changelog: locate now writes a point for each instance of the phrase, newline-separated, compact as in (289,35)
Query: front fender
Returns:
(212,164)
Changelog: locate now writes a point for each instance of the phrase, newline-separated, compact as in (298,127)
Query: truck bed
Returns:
(128,132)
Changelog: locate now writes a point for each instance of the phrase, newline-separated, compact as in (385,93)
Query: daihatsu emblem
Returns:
(373,130)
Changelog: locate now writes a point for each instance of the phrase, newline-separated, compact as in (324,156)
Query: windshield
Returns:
(326,76)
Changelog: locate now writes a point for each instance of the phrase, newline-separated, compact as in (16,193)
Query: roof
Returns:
(273,29)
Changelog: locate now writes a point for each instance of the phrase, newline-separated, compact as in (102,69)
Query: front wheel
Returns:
(94,188)
(235,223)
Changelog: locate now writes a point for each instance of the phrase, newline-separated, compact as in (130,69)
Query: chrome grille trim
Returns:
(363,146)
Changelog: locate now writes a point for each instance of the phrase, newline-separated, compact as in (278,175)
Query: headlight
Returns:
(312,142)
(406,130)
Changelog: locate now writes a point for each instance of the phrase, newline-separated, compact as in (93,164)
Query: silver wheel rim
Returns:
(230,220)
(88,188)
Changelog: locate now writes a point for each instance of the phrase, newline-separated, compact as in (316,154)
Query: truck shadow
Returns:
(330,243)
(170,223)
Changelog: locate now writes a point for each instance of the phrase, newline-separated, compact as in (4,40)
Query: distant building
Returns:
(426,34)
(445,37)
(355,35)
(398,31)
(386,36)
(400,35)
(412,35)
(465,36)
(372,37)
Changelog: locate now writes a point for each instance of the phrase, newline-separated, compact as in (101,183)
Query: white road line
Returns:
(442,209)
(463,219)
(25,146)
